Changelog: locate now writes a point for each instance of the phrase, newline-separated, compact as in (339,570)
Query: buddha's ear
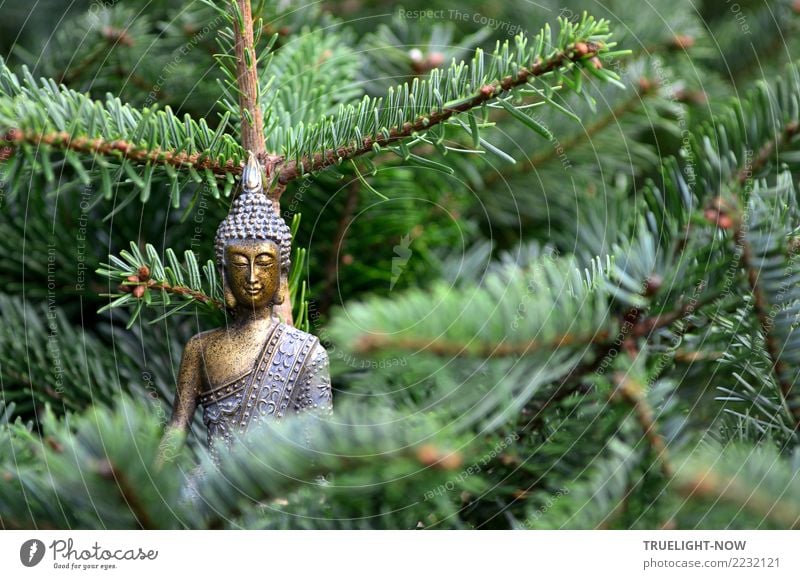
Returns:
(282,307)
(282,294)
(230,300)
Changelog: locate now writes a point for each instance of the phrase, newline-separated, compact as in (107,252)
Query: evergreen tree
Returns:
(552,253)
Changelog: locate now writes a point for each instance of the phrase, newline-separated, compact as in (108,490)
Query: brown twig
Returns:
(631,392)
(691,356)
(106,469)
(646,326)
(122,149)
(185,291)
(790,130)
(762,310)
(137,284)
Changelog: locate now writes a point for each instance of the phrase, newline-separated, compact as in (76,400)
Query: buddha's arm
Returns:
(189,383)
(314,387)
(315,383)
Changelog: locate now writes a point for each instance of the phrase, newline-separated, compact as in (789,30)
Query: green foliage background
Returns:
(575,308)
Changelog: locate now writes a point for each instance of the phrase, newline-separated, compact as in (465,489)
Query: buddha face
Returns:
(252,269)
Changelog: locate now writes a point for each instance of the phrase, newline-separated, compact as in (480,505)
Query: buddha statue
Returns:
(257,367)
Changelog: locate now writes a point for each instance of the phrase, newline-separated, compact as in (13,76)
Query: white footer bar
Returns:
(406,554)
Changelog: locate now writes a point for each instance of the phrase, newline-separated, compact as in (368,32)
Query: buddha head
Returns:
(253,248)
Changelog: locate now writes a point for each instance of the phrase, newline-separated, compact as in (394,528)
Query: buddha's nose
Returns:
(252,277)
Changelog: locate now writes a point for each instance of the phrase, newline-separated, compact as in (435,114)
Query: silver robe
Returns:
(290,376)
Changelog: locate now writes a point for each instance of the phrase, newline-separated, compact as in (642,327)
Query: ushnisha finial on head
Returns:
(251,174)
(252,217)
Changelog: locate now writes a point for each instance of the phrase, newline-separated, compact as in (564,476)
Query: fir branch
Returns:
(144,279)
(759,301)
(308,78)
(55,362)
(369,343)
(773,301)
(647,88)
(508,314)
(765,121)
(121,148)
(295,453)
(105,468)
(596,494)
(413,110)
(742,480)
(632,324)
(712,487)
(160,139)
(39,117)
(628,323)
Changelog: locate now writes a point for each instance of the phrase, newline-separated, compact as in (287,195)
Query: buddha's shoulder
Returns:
(203,339)
(297,334)
(207,338)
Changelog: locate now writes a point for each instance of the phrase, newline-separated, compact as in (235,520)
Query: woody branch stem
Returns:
(247,81)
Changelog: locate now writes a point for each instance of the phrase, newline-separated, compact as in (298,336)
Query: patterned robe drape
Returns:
(290,376)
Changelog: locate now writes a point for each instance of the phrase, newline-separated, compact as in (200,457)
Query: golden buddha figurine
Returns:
(257,368)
